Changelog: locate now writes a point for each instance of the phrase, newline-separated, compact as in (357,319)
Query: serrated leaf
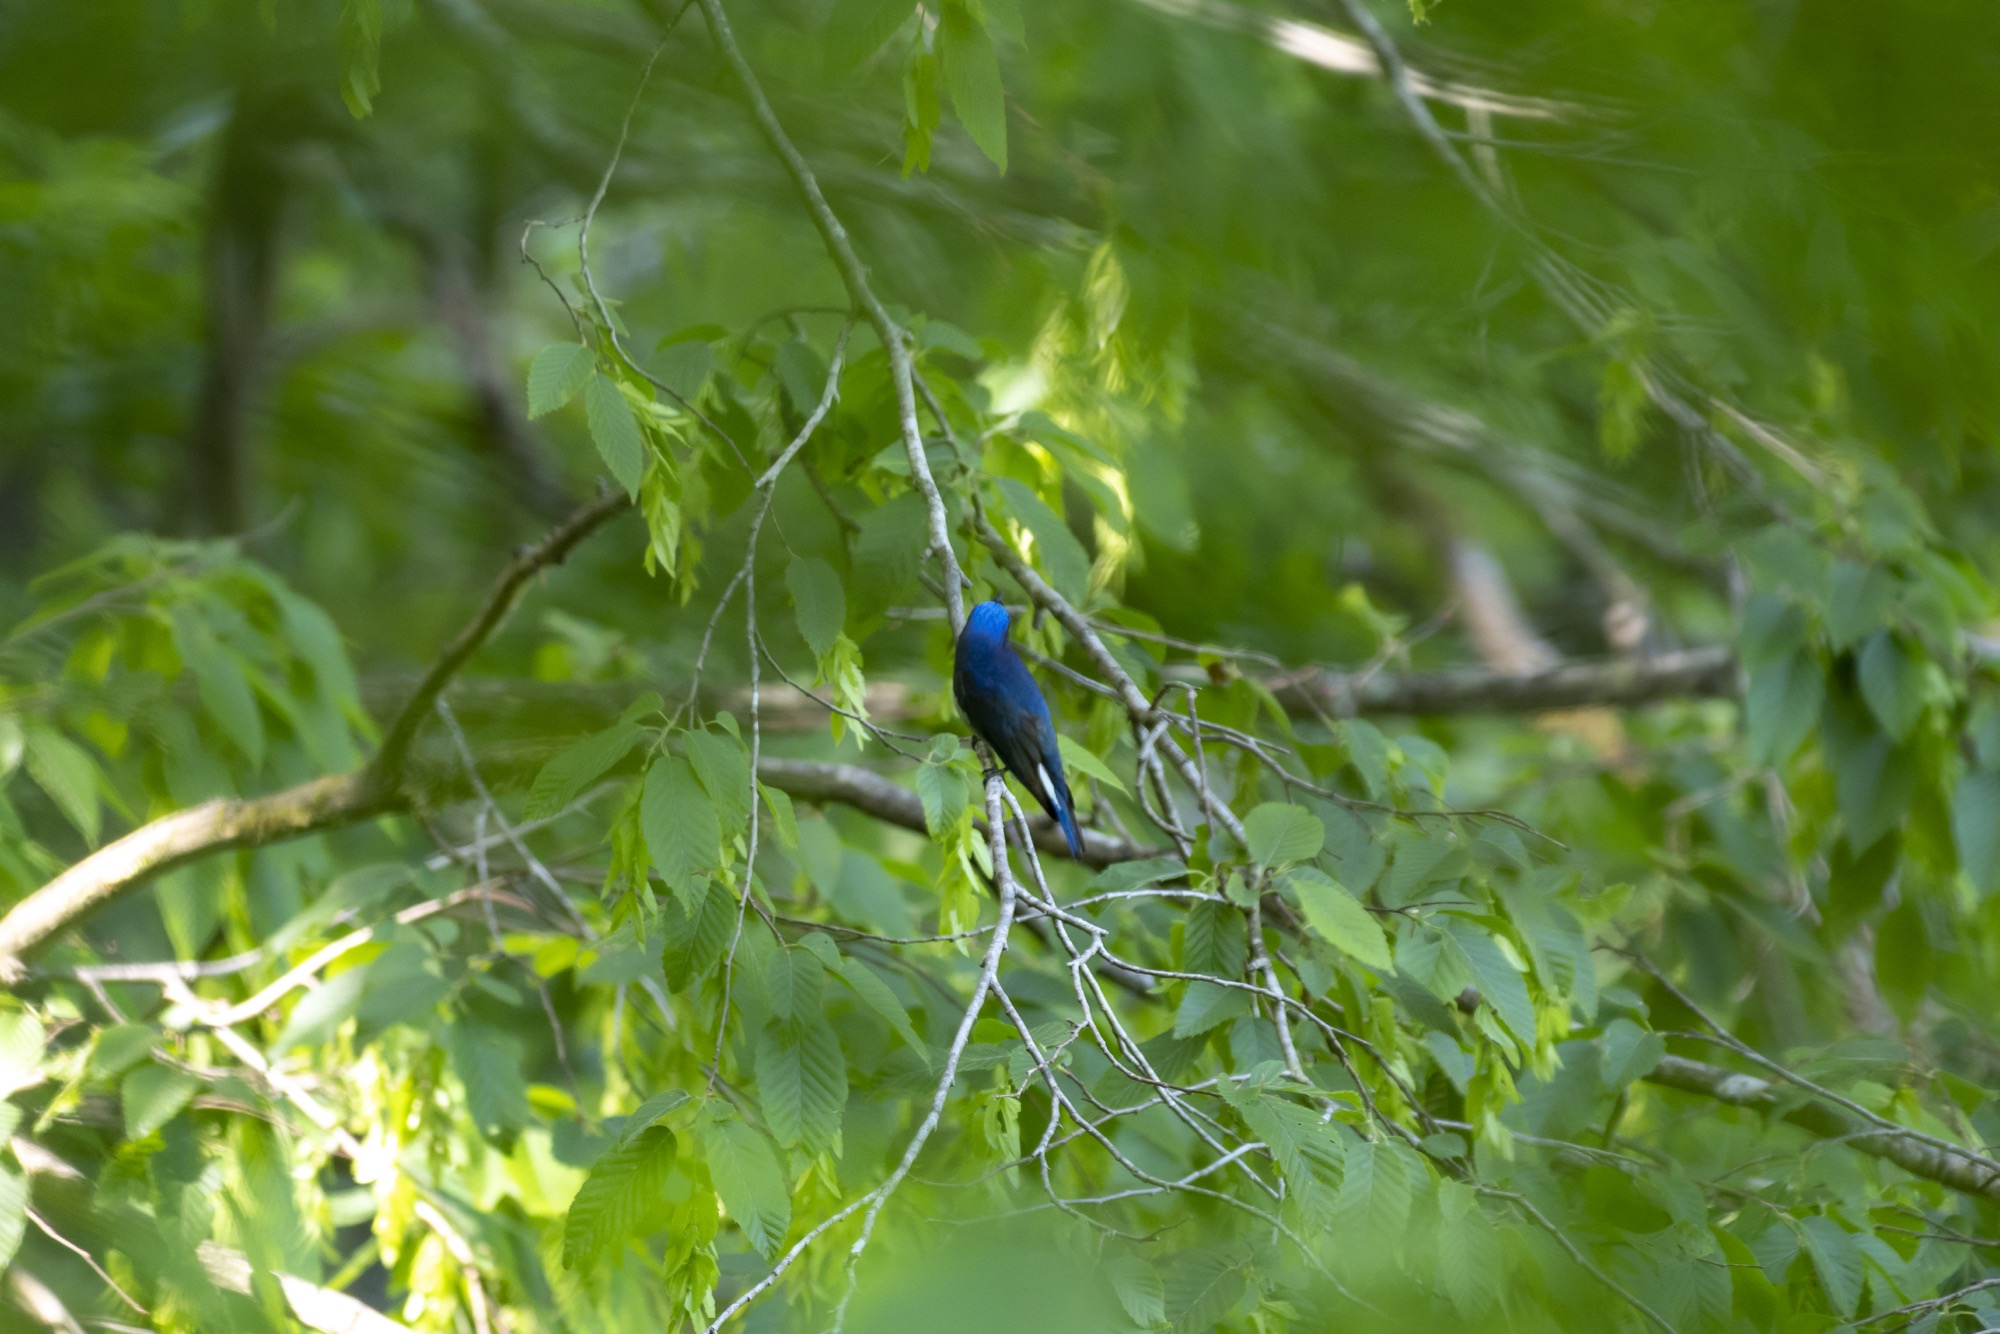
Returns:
(802,1082)
(972,77)
(792,981)
(819,601)
(556,374)
(941,788)
(856,29)
(1208,1005)
(683,833)
(1975,828)
(625,1185)
(569,773)
(1338,918)
(1499,983)
(876,995)
(615,432)
(152,1095)
(746,1176)
(1278,834)
(697,933)
(723,766)
(1892,682)
(1078,759)
(1310,1152)
(1214,940)
(1836,1260)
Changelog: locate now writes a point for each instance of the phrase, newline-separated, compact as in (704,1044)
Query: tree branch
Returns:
(528,562)
(324,803)
(1708,672)
(1961,1172)
(173,840)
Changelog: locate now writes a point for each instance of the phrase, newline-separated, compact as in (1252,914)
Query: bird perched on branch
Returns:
(1006,709)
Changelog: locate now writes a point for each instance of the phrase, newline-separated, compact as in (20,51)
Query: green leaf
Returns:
(746,1176)
(873,992)
(1975,827)
(1499,982)
(1057,551)
(13,1211)
(1079,760)
(1208,1005)
(792,980)
(802,1081)
(698,929)
(683,833)
(1874,779)
(23,1043)
(1214,941)
(1836,1259)
(615,432)
(1278,834)
(489,1065)
(556,375)
(219,679)
(819,601)
(153,1095)
(1139,1290)
(1627,1052)
(941,788)
(1892,681)
(972,77)
(1858,602)
(626,1185)
(723,766)
(1337,917)
(857,28)
(569,773)
(1309,1151)
(802,372)
(314,1019)
(1780,705)
(66,772)
(1203,1287)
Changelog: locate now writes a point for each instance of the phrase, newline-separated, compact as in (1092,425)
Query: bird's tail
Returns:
(1066,817)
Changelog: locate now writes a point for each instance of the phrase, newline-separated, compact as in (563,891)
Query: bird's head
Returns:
(988,621)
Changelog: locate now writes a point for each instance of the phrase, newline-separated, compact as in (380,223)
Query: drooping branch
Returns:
(854,275)
(527,563)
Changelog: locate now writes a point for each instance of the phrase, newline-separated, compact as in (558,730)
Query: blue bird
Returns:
(1006,709)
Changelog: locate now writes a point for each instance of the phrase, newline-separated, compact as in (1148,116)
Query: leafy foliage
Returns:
(671,958)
